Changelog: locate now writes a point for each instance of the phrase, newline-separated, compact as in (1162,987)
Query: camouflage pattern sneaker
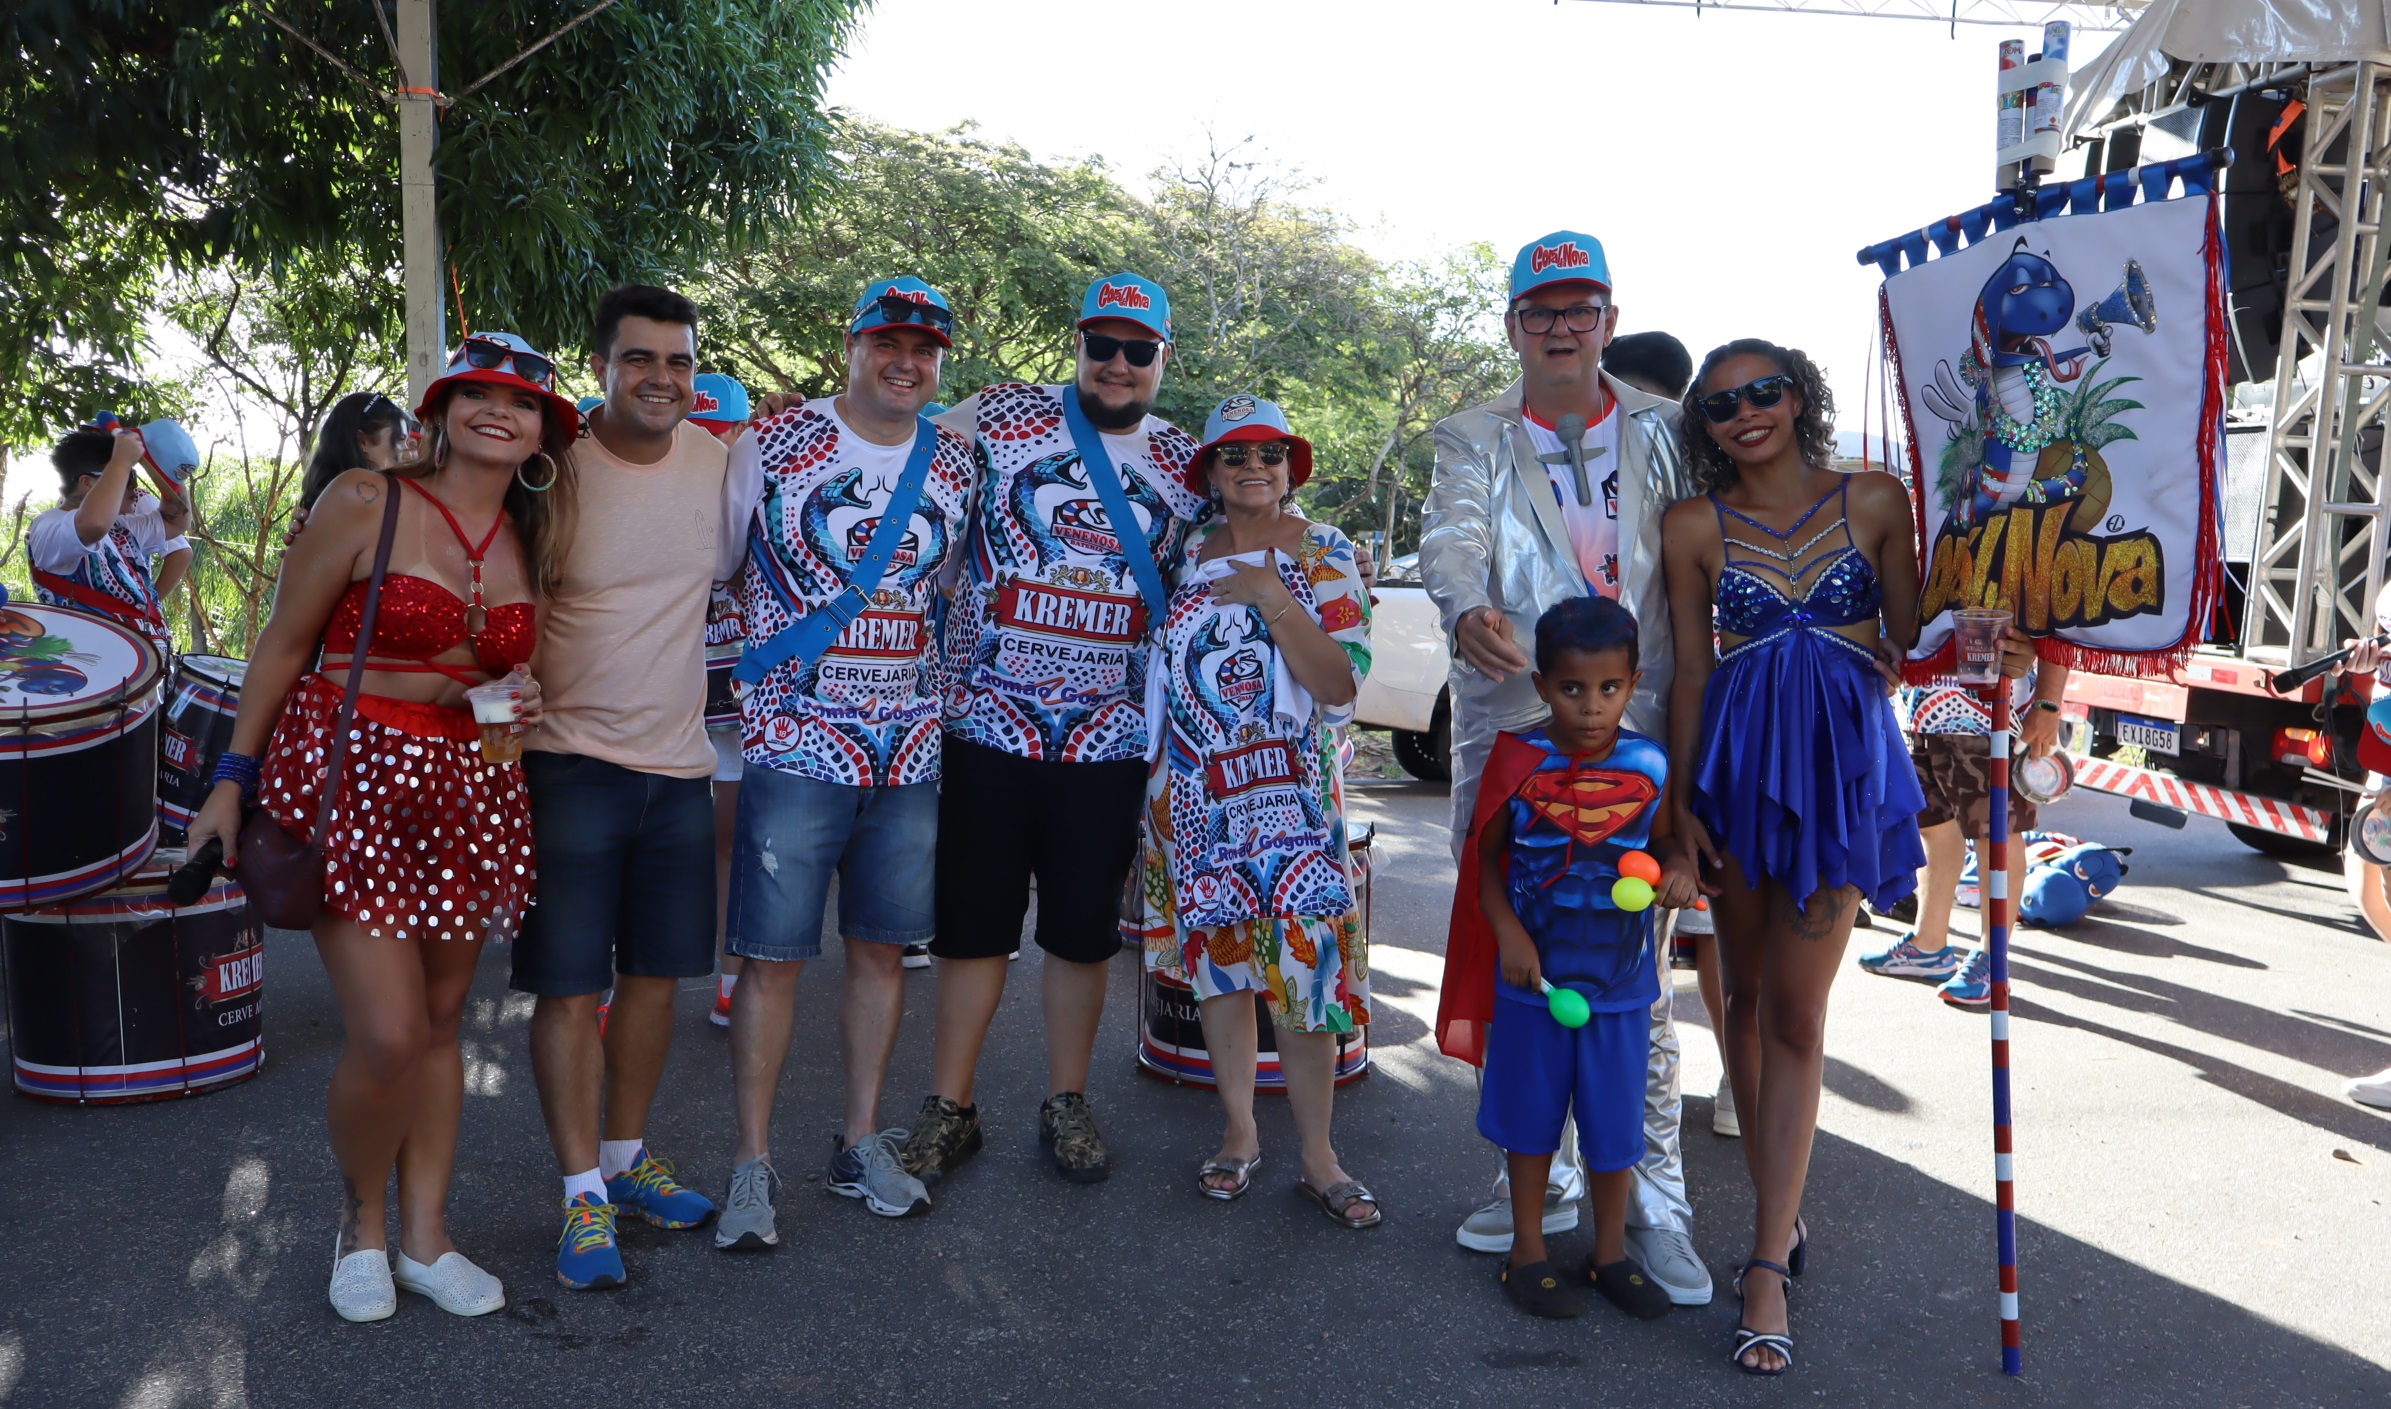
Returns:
(1068,1130)
(944,1135)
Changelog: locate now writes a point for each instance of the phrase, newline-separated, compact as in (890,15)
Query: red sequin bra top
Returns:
(420,619)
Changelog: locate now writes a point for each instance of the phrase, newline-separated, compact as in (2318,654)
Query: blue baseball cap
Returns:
(720,402)
(1131,296)
(904,302)
(588,404)
(170,449)
(1247,417)
(1562,257)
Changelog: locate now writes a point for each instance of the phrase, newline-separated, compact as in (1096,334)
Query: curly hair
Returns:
(1813,425)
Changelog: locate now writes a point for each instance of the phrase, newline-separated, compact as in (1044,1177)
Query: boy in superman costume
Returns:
(1559,806)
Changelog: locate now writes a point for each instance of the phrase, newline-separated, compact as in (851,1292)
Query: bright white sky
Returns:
(1731,163)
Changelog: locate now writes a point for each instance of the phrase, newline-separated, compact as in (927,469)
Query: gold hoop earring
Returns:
(554,472)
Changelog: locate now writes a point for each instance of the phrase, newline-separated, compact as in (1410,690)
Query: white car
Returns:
(1405,689)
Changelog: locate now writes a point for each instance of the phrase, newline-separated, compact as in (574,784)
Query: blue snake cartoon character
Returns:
(2027,423)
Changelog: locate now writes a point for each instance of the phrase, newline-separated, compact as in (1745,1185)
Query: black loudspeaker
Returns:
(2257,221)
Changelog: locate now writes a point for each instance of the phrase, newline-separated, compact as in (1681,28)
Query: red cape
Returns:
(1465,1005)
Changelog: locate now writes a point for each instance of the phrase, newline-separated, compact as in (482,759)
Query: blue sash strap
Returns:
(1107,481)
(813,633)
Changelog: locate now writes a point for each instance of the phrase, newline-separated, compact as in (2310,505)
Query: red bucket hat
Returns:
(502,359)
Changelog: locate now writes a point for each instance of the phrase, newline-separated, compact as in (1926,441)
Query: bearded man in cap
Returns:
(1518,519)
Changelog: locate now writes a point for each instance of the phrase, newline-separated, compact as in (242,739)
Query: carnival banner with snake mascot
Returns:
(2062,383)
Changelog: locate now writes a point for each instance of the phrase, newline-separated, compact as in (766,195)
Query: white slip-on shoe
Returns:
(453,1283)
(2372,1090)
(1723,1120)
(361,1286)
(1670,1260)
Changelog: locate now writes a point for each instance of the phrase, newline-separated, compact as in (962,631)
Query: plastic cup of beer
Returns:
(1977,633)
(497,708)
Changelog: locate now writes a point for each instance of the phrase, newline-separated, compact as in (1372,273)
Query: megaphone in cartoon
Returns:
(2131,306)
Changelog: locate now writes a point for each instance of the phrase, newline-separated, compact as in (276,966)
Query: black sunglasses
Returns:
(1102,349)
(1233,456)
(1582,318)
(1720,406)
(895,308)
(488,354)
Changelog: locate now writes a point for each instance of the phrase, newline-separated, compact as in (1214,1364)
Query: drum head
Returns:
(2370,833)
(2043,781)
(57,665)
(222,670)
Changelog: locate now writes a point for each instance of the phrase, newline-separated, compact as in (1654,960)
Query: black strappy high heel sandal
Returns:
(1748,1340)
(1801,1247)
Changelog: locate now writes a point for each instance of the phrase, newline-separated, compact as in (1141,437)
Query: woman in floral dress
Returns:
(1264,645)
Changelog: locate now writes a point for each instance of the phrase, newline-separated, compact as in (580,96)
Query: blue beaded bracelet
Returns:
(238,768)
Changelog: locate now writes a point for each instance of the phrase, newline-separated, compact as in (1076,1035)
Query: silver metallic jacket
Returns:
(1493,536)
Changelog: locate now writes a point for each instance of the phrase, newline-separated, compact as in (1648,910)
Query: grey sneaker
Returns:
(1489,1228)
(1670,1261)
(745,1224)
(874,1172)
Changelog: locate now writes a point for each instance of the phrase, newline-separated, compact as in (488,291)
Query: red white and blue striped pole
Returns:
(2000,913)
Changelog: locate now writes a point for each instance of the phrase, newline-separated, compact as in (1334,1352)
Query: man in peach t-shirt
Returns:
(621,778)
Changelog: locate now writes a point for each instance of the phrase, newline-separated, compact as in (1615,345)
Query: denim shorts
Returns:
(626,876)
(795,833)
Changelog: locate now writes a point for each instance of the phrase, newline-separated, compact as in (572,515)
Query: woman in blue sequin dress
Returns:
(1790,775)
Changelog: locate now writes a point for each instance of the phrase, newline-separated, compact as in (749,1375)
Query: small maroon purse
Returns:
(283,876)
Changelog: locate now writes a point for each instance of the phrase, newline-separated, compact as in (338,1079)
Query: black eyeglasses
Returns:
(896,308)
(1582,318)
(489,354)
(1102,349)
(1720,406)
(1233,456)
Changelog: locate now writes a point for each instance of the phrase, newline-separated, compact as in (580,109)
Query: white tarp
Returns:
(2229,31)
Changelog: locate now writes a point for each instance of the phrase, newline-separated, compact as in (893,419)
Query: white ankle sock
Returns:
(730,982)
(587,1182)
(615,1156)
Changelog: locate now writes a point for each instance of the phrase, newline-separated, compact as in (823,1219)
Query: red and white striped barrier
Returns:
(2226,805)
(2000,912)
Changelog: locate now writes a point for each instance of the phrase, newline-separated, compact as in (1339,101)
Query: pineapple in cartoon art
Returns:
(2090,425)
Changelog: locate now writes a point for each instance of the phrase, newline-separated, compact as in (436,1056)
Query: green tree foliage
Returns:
(1267,295)
(188,134)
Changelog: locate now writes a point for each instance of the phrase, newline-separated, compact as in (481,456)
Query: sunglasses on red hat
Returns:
(897,309)
(1720,406)
(489,354)
(1102,349)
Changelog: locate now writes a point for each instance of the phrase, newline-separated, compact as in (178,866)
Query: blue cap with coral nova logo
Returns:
(1562,257)
(1131,296)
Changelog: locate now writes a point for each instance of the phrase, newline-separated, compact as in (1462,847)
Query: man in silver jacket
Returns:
(1499,547)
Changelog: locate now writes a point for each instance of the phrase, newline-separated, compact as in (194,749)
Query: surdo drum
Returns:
(123,996)
(1171,1025)
(78,753)
(193,733)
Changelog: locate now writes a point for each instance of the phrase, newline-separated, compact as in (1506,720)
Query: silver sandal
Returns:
(1338,1199)
(1240,1170)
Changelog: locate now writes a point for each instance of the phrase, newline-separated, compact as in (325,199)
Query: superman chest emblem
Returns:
(1589,805)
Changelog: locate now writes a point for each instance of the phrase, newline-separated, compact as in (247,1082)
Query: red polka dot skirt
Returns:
(427,841)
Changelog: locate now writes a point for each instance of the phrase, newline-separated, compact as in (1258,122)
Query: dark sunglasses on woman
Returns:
(489,354)
(1720,406)
(1233,456)
(895,308)
(1102,349)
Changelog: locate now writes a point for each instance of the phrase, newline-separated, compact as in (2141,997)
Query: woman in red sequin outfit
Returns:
(429,853)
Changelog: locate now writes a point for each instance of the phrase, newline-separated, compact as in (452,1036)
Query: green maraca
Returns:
(1568,1005)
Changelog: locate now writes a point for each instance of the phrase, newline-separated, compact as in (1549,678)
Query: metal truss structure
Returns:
(2009,14)
(2325,520)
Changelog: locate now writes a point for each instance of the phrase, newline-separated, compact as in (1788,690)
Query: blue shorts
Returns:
(796,832)
(626,876)
(1537,1070)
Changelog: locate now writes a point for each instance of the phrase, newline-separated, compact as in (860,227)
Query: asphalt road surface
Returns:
(2203,1216)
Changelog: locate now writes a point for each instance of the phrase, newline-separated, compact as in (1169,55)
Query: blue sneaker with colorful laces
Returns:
(1906,960)
(586,1256)
(1971,987)
(648,1192)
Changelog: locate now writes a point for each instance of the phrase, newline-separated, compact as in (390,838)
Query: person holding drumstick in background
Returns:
(430,851)
(93,553)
